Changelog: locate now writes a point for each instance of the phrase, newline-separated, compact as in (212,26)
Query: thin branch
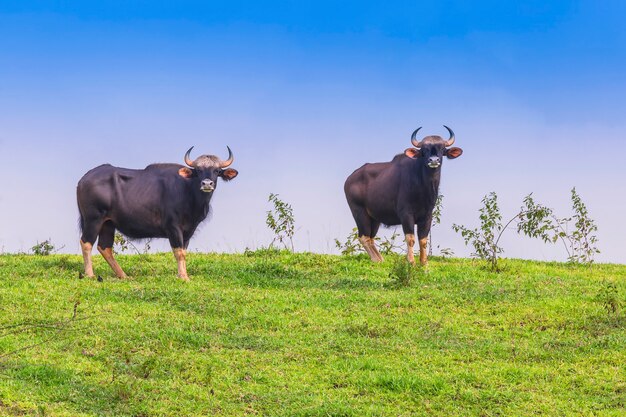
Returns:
(54,336)
(518,215)
(30,326)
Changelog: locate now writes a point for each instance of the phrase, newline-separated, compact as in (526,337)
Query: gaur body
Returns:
(159,201)
(400,192)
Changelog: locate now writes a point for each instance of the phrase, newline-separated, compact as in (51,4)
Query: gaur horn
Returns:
(229,161)
(188,160)
(415,142)
(450,141)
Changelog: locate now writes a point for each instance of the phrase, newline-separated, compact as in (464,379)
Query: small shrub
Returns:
(578,239)
(436,220)
(281,221)
(403,272)
(351,246)
(536,221)
(533,220)
(121,244)
(45,248)
(609,297)
(582,239)
(388,245)
(485,239)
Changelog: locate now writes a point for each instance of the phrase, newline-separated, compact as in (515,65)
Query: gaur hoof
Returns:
(100,279)
(80,275)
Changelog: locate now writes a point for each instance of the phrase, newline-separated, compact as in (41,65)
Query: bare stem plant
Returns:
(281,221)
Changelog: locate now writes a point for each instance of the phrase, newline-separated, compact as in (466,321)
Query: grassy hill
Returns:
(284,334)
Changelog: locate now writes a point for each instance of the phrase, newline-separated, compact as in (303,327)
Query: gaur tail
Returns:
(80,218)
(80,223)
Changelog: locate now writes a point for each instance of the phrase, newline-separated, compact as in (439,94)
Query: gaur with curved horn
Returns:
(403,191)
(159,201)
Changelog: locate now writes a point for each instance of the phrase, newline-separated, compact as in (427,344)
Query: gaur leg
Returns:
(181,258)
(408,227)
(180,252)
(375,227)
(105,247)
(86,247)
(423,230)
(364,225)
(367,245)
(367,228)
(410,243)
(90,229)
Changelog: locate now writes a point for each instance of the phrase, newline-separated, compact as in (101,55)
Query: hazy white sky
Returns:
(304,93)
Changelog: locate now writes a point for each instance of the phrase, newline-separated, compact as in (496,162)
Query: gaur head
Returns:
(431,150)
(206,169)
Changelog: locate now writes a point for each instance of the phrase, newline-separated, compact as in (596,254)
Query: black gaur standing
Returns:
(160,201)
(403,191)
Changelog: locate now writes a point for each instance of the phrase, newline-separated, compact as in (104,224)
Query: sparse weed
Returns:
(535,221)
(122,244)
(45,248)
(351,246)
(402,272)
(582,239)
(485,239)
(281,221)
(388,245)
(609,297)
(436,220)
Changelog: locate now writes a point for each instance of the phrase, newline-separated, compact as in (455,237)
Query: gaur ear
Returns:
(452,153)
(229,174)
(412,153)
(185,172)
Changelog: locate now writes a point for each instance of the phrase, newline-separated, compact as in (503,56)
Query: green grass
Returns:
(282,334)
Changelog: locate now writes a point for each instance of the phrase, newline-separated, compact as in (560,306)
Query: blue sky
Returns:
(306,92)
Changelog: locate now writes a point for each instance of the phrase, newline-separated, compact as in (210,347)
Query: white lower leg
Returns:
(423,253)
(410,242)
(370,248)
(86,249)
(375,250)
(180,255)
(365,241)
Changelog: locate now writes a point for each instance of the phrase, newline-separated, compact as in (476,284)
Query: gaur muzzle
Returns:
(207,186)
